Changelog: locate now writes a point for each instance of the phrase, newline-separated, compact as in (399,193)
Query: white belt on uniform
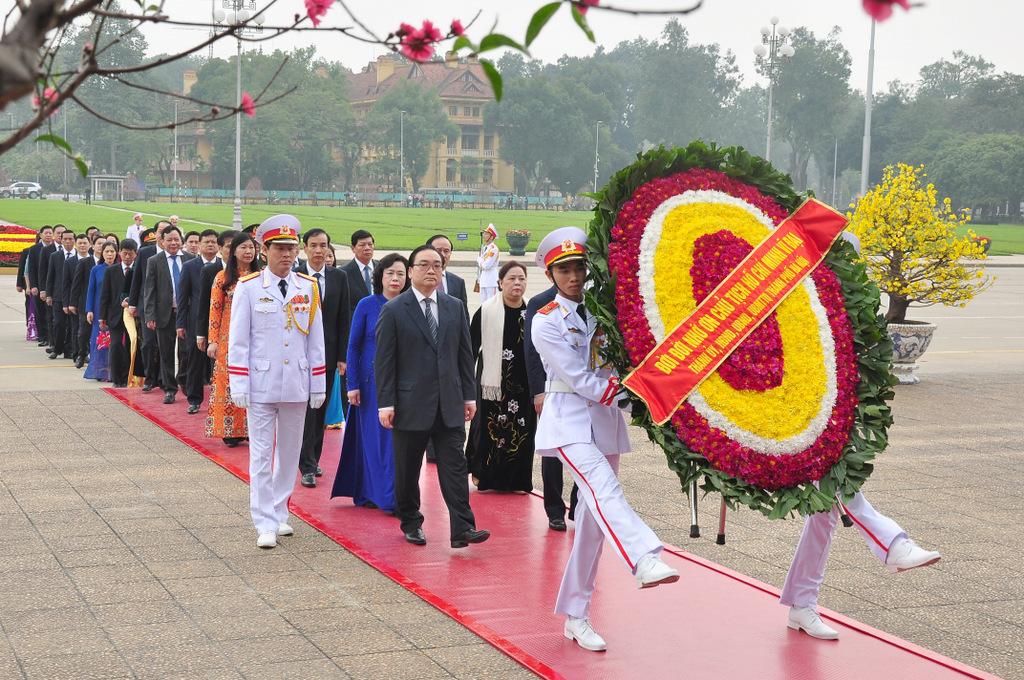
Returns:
(558,386)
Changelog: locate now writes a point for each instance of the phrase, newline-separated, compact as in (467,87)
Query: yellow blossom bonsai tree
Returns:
(915,246)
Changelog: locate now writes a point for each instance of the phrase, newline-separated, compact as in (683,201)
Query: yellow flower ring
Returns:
(783,410)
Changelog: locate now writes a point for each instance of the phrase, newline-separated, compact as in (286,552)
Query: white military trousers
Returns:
(602,513)
(275,437)
(806,573)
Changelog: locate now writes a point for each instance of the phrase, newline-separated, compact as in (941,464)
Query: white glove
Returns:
(317,399)
(240,400)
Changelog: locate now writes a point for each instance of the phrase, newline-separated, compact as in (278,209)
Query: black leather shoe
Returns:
(193,409)
(319,472)
(43,343)
(168,397)
(416,537)
(147,388)
(470,536)
(231,442)
(52,355)
(309,480)
(557,524)
(79,362)
(120,385)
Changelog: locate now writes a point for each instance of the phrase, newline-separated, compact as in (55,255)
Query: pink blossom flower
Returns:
(50,95)
(248,105)
(432,33)
(583,5)
(881,10)
(457,28)
(416,44)
(316,9)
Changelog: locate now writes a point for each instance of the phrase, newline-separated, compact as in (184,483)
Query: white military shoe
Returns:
(285,529)
(809,621)
(583,633)
(268,539)
(905,554)
(651,571)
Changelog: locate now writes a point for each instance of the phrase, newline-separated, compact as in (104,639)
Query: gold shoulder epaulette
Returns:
(548,308)
(251,275)
(306,276)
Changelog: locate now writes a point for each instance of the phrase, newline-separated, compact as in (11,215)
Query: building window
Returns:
(465,111)
(488,172)
(449,171)
(470,142)
(476,111)
(453,111)
(488,142)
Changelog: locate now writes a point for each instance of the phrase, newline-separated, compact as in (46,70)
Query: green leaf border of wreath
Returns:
(872,344)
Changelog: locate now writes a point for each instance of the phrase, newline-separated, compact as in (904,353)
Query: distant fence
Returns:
(360,199)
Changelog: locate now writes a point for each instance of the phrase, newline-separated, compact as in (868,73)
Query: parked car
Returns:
(19,189)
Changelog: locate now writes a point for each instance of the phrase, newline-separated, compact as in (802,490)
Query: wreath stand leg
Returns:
(721,525)
(694,528)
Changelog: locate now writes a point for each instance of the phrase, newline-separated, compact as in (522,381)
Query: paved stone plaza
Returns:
(127,554)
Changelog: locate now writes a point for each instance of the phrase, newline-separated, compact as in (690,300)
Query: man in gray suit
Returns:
(160,294)
(426,390)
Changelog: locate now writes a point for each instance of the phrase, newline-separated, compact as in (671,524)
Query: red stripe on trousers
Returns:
(864,528)
(615,539)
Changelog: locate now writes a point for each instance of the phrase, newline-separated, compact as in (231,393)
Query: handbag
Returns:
(476,286)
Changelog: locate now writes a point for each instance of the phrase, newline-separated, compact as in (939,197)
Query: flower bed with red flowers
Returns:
(13,240)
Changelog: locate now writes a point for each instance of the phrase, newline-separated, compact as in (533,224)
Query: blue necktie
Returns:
(175,272)
(366,277)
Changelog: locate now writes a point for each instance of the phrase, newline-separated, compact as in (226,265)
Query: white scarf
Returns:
(492,335)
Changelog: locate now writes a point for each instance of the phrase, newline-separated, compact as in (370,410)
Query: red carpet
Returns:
(713,623)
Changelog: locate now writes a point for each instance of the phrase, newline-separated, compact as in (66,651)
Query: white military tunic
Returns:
(276,355)
(582,426)
(488,263)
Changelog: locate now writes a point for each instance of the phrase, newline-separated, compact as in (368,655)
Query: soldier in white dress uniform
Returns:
(276,364)
(487,264)
(582,425)
(886,539)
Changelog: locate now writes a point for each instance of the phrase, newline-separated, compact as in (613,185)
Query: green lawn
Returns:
(392,228)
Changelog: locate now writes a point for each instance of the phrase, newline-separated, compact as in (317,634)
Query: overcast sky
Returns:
(903,44)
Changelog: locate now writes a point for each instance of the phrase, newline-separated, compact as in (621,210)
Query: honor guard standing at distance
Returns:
(582,425)
(276,364)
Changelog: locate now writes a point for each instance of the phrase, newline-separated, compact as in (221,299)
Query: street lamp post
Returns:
(401,157)
(175,151)
(240,13)
(597,142)
(771,53)
(865,161)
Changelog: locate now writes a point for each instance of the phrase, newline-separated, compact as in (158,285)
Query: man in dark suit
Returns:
(187,317)
(337,314)
(113,291)
(55,297)
(550,467)
(206,279)
(35,280)
(426,389)
(147,353)
(80,293)
(78,352)
(360,269)
(163,279)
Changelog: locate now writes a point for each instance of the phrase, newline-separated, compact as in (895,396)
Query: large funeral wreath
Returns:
(798,411)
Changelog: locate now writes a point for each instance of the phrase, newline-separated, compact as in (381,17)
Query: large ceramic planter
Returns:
(910,339)
(517,244)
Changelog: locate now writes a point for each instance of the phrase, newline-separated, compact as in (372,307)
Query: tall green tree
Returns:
(982,172)
(811,99)
(952,79)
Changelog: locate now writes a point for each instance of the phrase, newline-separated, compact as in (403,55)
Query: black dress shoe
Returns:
(147,388)
(557,524)
(371,505)
(52,355)
(309,480)
(319,472)
(43,343)
(193,409)
(416,537)
(168,397)
(120,385)
(231,442)
(470,536)
(79,362)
